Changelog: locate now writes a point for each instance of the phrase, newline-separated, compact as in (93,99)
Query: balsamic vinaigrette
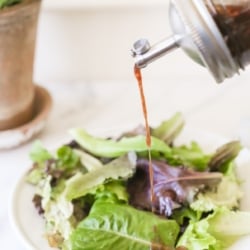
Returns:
(138,77)
(156,244)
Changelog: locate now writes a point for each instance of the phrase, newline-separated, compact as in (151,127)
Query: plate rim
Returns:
(12,212)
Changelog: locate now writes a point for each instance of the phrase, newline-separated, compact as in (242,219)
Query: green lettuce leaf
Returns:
(59,219)
(112,191)
(197,237)
(127,228)
(38,153)
(66,158)
(224,156)
(64,162)
(120,168)
(227,194)
(111,148)
(190,156)
(185,213)
(216,232)
(35,175)
(229,226)
(88,161)
(169,129)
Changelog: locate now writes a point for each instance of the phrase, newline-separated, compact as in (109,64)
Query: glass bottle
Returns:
(214,33)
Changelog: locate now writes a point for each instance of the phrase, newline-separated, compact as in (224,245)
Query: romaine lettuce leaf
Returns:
(126,228)
(88,161)
(227,194)
(114,190)
(218,231)
(197,237)
(120,168)
(111,148)
(229,226)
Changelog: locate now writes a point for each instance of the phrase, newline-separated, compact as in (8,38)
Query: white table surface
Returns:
(221,109)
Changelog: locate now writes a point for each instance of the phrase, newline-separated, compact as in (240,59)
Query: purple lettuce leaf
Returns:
(172,186)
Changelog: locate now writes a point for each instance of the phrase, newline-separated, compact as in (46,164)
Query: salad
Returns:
(95,193)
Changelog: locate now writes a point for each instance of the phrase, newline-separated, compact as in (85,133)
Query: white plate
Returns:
(30,227)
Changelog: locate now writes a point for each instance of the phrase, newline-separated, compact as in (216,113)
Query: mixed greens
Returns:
(95,193)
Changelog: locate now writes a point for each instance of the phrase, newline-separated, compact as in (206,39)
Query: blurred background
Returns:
(89,41)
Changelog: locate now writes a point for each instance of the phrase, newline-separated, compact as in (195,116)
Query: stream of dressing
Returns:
(138,77)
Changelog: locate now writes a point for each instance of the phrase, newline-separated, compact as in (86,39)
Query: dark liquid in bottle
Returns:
(138,76)
(234,23)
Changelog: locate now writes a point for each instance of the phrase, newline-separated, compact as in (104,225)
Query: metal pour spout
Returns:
(144,53)
(197,34)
